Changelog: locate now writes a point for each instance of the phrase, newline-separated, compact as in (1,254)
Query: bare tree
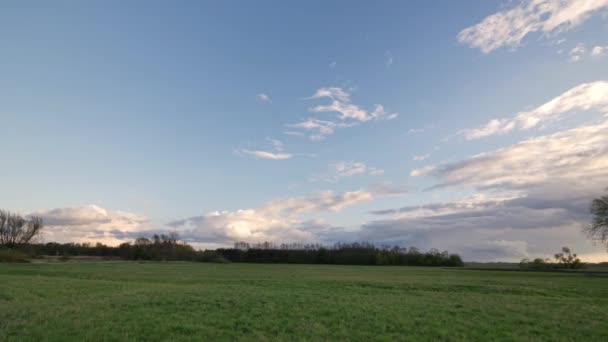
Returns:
(598,230)
(16,231)
(568,260)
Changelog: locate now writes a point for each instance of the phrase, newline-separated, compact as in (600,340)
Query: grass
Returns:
(116,301)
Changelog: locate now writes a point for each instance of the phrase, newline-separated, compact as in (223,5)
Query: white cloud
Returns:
(579,153)
(580,51)
(345,169)
(323,128)
(577,53)
(333,64)
(509,27)
(335,93)
(276,221)
(341,104)
(348,113)
(532,198)
(422,171)
(421,157)
(375,172)
(276,144)
(89,223)
(598,51)
(585,97)
(389,58)
(265,154)
(415,130)
(264,97)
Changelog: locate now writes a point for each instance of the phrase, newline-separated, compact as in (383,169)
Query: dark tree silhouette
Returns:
(598,230)
(17,231)
(568,260)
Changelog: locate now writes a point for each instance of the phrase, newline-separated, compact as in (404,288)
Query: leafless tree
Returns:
(598,230)
(16,231)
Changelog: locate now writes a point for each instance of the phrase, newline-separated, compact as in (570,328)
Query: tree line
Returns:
(168,248)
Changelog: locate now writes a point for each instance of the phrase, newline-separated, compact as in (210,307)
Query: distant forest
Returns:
(169,248)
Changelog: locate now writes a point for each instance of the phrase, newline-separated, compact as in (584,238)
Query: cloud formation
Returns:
(585,97)
(577,53)
(345,169)
(598,51)
(510,26)
(490,228)
(264,154)
(579,153)
(276,221)
(89,223)
(348,114)
(533,197)
(264,97)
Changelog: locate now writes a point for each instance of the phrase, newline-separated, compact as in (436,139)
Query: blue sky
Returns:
(122,118)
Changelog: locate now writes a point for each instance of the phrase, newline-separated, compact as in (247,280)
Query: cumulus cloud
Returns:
(585,97)
(265,154)
(345,169)
(275,221)
(510,26)
(264,97)
(348,114)
(598,51)
(89,223)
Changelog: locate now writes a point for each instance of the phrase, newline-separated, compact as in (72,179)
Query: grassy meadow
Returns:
(116,301)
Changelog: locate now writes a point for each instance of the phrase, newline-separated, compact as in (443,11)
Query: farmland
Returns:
(119,300)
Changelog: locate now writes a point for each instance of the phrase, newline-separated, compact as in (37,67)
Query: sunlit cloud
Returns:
(509,27)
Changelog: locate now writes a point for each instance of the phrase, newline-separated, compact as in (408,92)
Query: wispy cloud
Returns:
(577,52)
(415,130)
(348,114)
(323,128)
(264,97)
(276,144)
(509,27)
(585,97)
(389,58)
(575,154)
(342,104)
(264,154)
(421,157)
(345,169)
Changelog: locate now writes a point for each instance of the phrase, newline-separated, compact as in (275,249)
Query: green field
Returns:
(118,301)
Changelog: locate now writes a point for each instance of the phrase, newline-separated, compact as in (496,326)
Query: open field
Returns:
(193,301)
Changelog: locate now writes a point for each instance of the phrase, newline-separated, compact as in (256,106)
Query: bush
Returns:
(12,255)
(64,258)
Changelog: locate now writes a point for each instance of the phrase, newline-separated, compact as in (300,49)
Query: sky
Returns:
(477,127)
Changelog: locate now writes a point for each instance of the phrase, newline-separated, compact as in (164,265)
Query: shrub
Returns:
(12,255)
